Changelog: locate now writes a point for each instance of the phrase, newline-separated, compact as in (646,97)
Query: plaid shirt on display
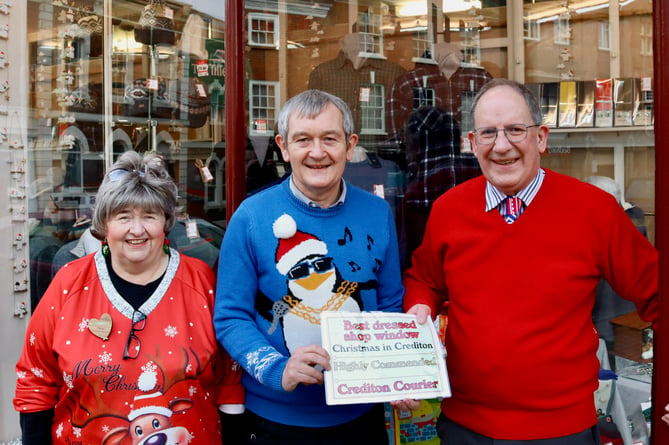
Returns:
(434,161)
(447,92)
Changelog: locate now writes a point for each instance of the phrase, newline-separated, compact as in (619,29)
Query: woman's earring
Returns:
(166,246)
(105,249)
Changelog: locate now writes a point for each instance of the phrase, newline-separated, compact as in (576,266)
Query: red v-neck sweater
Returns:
(521,345)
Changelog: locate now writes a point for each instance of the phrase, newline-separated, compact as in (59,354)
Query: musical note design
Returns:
(370,242)
(347,234)
(378,265)
(354,266)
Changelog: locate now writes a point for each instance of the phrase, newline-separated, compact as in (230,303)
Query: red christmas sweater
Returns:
(520,341)
(175,385)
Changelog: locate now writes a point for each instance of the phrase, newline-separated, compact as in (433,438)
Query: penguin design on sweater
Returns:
(314,285)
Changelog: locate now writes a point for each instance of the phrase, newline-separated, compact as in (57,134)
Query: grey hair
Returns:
(530,99)
(147,185)
(309,104)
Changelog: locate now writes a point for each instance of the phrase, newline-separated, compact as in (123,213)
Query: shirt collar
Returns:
(493,197)
(305,199)
(372,62)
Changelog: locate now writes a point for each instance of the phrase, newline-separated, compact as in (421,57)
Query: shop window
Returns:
(424,97)
(562,30)
(263,30)
(371,42)
(471,44)
(604,36)
(532,30)
(422,46)
(372,109)
(646,39)
(264,106)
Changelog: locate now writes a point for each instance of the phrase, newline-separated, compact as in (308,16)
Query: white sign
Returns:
(381,357)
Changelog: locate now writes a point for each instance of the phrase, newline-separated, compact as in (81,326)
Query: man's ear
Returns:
(281,142)
(542,138)
(352,142)
(472,142)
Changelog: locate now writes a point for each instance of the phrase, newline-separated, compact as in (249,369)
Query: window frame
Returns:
(376,105)
(257,17)
(270,121)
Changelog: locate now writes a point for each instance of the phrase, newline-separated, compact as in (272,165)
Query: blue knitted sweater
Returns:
(281,263)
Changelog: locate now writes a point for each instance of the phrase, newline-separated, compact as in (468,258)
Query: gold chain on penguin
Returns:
(312,315)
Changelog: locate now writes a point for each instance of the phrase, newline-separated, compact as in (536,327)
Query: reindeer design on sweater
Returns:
(149,421)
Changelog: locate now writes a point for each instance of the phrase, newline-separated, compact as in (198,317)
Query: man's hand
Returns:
(305,366)
(406,404)
(422,312)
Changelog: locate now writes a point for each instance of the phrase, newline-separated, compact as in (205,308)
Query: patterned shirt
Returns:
(494,198)
(338,77)
(447,93)
(434,161)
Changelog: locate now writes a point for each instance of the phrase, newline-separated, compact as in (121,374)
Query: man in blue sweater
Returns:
(310,244)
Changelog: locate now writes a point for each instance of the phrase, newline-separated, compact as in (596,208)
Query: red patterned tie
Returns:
(512,208)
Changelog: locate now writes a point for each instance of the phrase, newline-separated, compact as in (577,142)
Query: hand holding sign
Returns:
(304,366)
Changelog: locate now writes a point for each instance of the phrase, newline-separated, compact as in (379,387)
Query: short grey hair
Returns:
(530,99)
(136,181)
(309,104)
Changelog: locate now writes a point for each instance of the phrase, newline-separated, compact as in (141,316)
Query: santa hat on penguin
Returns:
(294,245)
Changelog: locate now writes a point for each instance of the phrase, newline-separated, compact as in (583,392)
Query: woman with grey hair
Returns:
(122,345)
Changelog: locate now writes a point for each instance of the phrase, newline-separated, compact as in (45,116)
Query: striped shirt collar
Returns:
(305,199)
(494,197)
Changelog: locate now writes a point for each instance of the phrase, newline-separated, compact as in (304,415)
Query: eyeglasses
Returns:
(133,344)
(301,270)
(118,173)
(513,132)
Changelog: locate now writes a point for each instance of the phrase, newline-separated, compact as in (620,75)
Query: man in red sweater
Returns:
(520,276)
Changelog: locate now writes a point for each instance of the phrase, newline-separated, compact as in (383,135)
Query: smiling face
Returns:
(506,165)
(135,237)
(317,150)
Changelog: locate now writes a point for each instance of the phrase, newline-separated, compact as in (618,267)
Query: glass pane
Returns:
(166,94)
(598,99)
(386,60)
(639,187)
(431,58)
